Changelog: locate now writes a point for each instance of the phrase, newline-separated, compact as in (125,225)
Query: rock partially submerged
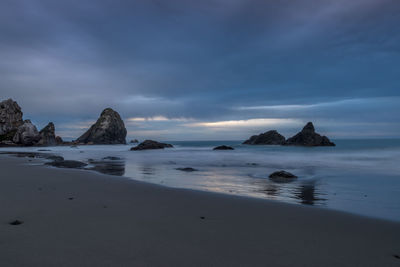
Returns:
(268,138)
(223,147)
(150,144)
(187,169)
(282,176)
(134,141)
(308,137)
(27,134)
(108,129)
(67,164)
(47,135)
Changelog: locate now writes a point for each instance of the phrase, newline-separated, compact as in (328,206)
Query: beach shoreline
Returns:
(79,218)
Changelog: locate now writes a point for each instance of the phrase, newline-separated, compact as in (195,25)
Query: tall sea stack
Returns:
(108,129)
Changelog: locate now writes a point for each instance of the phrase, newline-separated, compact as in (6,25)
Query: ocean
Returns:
(356,176)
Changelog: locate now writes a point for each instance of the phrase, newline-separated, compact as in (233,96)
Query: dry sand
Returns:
(82,218)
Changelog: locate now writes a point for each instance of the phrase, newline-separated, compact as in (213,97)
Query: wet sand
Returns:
(83,218)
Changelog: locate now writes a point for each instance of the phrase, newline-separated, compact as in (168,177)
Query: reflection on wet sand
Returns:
(272,190)
(306,192)
(109,166)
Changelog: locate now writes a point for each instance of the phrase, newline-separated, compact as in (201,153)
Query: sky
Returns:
(205,70)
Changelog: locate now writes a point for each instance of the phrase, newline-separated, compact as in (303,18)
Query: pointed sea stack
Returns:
(108,129)
(308,137)
(268,138)
(47,135)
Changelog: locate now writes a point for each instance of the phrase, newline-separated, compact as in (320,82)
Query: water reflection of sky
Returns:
(365,183)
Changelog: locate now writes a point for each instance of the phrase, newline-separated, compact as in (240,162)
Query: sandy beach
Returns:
(83,218)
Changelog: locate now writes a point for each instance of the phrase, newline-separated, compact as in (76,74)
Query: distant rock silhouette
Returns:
(134,141)
(59,140)
(47,135)
(150,144)
(27,134)
(268,138)
(108,129)
(10,119)
(223,147)
(308,137)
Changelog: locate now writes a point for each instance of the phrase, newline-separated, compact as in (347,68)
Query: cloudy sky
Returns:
(211,69)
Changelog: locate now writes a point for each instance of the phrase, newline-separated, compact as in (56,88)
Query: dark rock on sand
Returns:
(108,129)
(223,147)
(47,135)
(27,134)
(10,119)
(308,137)
(282,176)
(67,164)
(188,169)
(268,138)
(150,144)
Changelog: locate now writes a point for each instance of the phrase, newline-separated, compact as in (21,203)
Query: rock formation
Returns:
(134,141)
(150,144)
(10,119)
(26,134)
(308,137)
(47,135)
(268,138)
(223,147)
(108,129)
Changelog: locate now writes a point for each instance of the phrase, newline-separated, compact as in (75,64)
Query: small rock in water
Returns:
(202,217)
(396,256)
(282,176)
(150,144)
(223,147)
(112,158)
(16,222)
(67,164)
(71,198)
(188,169)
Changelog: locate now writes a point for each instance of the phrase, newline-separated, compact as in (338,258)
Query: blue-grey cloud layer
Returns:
(213,60)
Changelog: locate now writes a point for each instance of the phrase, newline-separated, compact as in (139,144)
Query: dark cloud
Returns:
(67,60)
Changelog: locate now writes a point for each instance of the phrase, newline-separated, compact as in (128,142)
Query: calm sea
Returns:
(357,176)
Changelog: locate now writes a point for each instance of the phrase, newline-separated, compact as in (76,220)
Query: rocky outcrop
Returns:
(150,144)
(223,147)
(108,129)
(308,137)
(10,119)
(268,138)
(47,135)
(27,134)
(134,141)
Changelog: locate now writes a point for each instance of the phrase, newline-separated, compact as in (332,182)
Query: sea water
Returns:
(357,176)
